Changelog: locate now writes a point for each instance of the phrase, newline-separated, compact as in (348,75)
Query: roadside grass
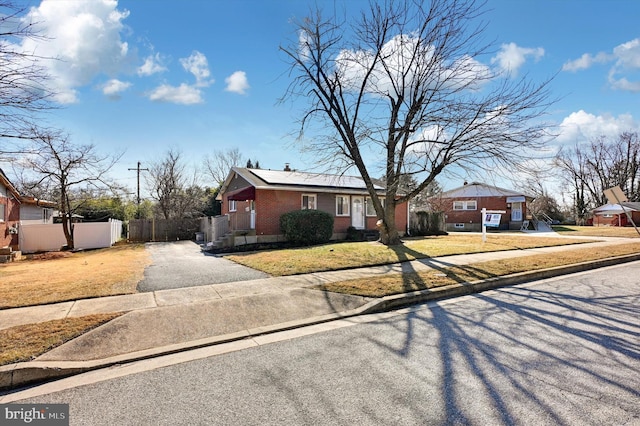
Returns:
(344,255)
(401,283)
(596,231)
(26,342)
(71,276)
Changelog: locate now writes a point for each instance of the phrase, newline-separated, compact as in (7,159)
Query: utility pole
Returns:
(139,170)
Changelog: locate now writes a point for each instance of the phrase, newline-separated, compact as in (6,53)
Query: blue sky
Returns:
(144,76)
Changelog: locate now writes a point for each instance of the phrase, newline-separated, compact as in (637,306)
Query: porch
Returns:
(230,230)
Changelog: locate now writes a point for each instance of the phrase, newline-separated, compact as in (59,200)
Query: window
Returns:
(232,205)
(371,211)
(465,205)
(309,202)
(1,212)
(459,225)
(342,205)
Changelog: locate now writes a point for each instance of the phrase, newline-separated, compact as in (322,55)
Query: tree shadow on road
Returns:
(515,352)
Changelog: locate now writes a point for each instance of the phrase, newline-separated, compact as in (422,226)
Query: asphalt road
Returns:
(182,264)
(564,351)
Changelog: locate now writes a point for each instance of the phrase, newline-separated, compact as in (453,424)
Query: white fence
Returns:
(49,237)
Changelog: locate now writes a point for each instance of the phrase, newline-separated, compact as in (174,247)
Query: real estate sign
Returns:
(492,220)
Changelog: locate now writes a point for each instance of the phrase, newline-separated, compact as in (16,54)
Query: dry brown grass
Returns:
(337,256)
(105,272)
(402,283)
(596,231)
(26,342)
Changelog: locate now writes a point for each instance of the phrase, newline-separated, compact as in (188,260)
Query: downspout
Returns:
(408,218)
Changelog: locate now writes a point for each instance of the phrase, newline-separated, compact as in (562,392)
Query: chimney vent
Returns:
(286,167)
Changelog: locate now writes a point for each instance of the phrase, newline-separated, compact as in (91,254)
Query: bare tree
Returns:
(218,165)
(169,185)
(602,163)
(23,89)
(74,173)
(404,84)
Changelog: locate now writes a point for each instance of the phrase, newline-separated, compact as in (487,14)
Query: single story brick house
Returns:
(254,200)
(615,215)
(463,206)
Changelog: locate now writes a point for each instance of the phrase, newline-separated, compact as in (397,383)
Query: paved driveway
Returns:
(182,264)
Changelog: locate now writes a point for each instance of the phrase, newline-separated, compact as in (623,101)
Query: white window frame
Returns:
(459,225)
(367,201)
(313,197)
(233,206)
(460,205)
(2,213)
(346,202)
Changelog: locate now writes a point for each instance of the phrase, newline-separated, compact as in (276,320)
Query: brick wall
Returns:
(473,218)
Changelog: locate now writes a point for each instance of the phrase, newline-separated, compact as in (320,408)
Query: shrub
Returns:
(354,235)
(307,227)
(427,223)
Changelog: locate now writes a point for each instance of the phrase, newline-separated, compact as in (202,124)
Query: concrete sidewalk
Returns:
(168,321)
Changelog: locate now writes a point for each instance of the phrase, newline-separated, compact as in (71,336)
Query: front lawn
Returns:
(70,276)
(596,231)
(344,255)
(390,284)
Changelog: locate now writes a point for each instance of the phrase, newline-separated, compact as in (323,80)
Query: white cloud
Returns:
(623,75)
(627,63)
(237,83)
(113,88)
(153,64)
(511,57)
(586,61)
(84,37)
(197,65)
(580,127)
(183,94)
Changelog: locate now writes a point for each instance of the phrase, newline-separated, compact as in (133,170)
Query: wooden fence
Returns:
(143,230)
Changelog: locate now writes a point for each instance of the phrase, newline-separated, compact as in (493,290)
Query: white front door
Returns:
(357,212)
(516,212)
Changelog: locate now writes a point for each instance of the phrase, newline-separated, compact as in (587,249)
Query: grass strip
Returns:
(401,283)
(26,342)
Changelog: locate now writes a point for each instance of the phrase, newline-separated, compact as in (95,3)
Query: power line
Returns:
(138,169)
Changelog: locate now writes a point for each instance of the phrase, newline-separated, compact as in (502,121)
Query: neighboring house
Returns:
(614,214)
(36,211)
(463,206)
(9,213)
(254,200)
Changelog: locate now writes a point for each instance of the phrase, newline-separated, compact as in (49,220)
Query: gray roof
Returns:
(301,181)
(278,177)
(479,189)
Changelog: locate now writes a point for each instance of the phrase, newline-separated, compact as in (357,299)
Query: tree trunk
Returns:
(66,219)
(389,235)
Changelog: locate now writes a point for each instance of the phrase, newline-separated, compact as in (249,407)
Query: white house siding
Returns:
(30,214)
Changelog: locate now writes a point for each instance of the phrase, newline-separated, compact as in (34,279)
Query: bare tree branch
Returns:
(405,84)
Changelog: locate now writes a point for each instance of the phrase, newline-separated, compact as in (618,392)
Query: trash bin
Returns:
(199,237)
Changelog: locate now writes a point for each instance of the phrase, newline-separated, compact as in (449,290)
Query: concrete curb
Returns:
(13,376)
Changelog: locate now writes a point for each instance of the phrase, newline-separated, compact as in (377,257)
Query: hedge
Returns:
(307,227)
